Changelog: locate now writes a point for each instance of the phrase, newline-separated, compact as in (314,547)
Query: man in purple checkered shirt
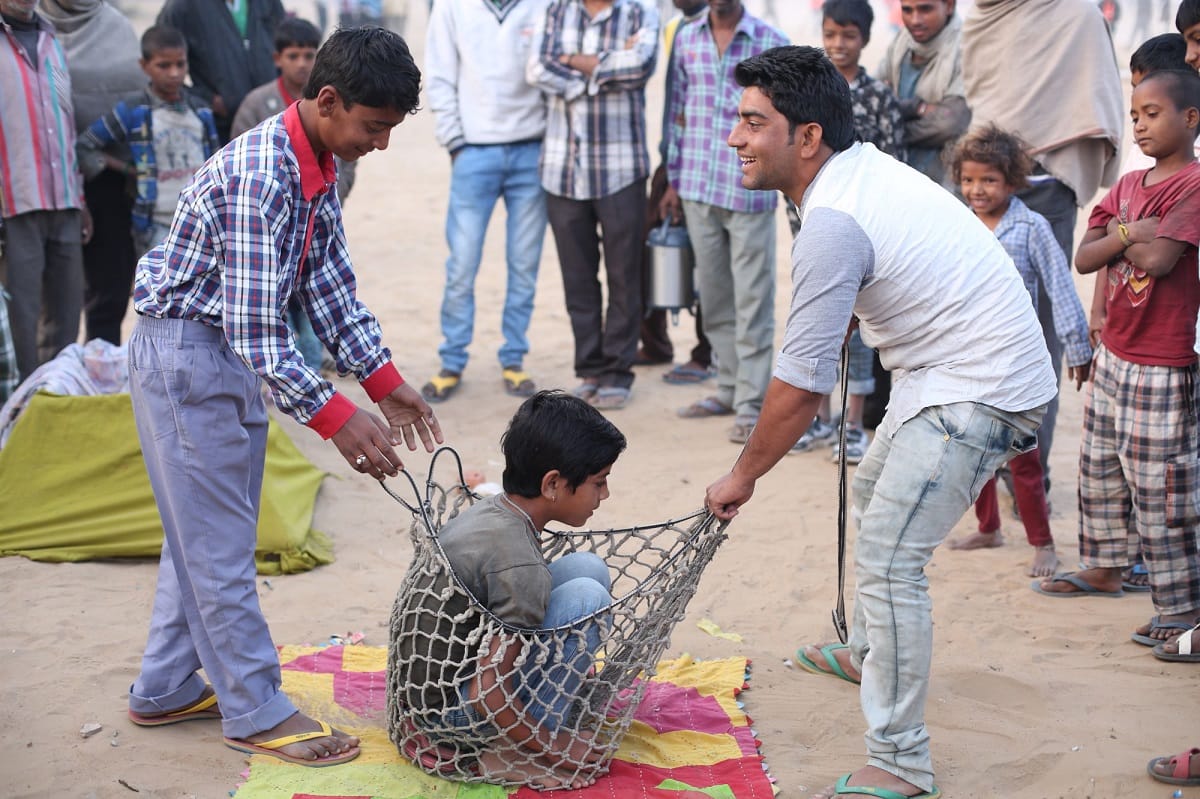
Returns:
(732,228)
(258,226)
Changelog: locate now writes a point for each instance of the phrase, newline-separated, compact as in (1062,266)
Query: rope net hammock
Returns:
(440,636)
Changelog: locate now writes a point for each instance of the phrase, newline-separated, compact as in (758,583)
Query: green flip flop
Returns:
(834,668)
(842,789)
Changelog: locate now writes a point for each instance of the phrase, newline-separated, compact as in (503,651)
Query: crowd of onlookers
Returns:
(541,104)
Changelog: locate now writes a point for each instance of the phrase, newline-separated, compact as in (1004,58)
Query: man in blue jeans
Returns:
(492,122)
(936,294)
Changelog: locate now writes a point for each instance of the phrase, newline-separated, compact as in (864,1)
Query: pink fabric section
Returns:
(669,708)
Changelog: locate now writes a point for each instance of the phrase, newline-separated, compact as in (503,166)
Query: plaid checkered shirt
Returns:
(595,142)
(704,100)
(258,224)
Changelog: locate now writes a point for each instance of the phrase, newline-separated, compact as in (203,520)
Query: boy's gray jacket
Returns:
(475,54)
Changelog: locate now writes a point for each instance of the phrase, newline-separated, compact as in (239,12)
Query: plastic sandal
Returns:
(441,387)
(518,383)
(271,748)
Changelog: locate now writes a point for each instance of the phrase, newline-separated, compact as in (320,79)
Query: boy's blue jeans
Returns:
(580,587)
(480,175)
(909,492)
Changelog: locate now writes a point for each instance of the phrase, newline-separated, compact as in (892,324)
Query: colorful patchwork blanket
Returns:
(690,738)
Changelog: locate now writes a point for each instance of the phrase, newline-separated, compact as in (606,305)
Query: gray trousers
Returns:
(735,276)
(42,269)
(202,425)
(1056,202)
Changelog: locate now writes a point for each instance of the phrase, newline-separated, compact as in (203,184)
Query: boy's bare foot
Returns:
(1045,561)
(870,776)
(333,745)
(535,773)
(977,540)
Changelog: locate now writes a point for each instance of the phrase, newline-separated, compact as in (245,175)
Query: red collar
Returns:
(317,173)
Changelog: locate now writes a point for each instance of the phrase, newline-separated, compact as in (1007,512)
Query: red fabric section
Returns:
(333,416)
(744,776)
(382,381)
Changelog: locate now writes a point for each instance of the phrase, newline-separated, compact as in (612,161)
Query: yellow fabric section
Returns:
(271,779)
(643,745)
(710,678)
(73,487)
(363,658)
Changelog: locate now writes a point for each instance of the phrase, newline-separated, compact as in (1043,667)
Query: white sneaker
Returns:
(819,433)
(857,442)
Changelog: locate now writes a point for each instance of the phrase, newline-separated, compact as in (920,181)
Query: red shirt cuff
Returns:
(333,416)
(383,381)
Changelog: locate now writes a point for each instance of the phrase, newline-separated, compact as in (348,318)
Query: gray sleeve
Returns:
(832,258)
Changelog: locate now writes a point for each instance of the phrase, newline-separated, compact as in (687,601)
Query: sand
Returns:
(1030,697)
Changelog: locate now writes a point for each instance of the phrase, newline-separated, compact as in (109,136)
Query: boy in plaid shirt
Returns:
(258,226)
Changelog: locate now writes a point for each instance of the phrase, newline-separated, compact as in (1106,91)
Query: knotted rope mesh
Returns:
(440,635)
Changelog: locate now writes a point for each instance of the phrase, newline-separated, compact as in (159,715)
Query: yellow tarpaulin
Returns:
(73,487)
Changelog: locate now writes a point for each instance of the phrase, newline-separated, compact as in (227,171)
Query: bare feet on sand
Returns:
(978,540)
(536,773)
(334,745)
(1045,561)
(870,776)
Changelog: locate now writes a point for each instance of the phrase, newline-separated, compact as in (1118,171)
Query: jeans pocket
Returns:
(1181,489)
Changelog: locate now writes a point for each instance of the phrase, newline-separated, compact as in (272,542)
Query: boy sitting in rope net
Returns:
(511,702)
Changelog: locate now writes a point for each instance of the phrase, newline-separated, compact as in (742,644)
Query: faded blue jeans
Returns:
(481,175)
(580,586)
(909,492)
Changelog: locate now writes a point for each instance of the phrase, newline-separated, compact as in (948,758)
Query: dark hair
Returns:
(805,87)
(296,32)
(368,66)
(1187,15)
(552,430)
(1181,85)
(1165,51)
(850,12)
(998,149)
(161,37)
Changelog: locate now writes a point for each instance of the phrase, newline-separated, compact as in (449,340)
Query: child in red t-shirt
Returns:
(1138,460)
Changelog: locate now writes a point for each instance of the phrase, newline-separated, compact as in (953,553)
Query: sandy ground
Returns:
(1029,697)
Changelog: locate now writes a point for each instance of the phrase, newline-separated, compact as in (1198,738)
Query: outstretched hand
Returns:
(366,444)
(410,417)
(725,496)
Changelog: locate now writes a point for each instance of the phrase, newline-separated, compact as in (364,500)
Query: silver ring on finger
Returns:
(361,460)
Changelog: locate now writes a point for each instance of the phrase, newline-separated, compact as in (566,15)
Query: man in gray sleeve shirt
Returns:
(936,294)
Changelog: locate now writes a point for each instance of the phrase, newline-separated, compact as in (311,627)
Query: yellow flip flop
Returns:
(441,387)
(518,383)
(271,748)
(198,711)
